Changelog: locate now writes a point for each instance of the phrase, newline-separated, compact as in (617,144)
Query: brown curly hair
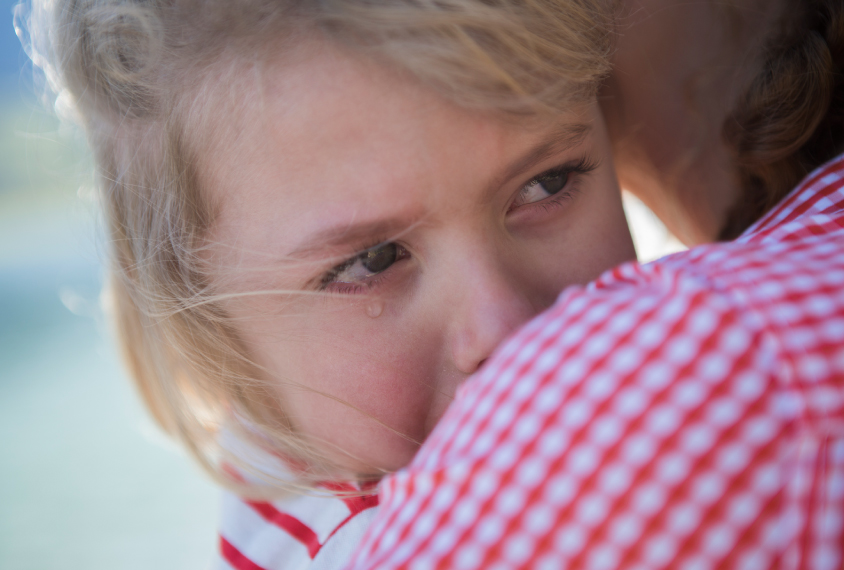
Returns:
(790,120)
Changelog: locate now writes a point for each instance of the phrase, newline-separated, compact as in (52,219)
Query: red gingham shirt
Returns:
(688,413)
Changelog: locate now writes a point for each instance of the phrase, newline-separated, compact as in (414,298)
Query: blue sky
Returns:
(12,57)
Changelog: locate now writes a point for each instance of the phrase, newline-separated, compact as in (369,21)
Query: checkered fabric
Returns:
(688,413)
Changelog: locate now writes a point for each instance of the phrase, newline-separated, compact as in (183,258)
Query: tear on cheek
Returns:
(375,308)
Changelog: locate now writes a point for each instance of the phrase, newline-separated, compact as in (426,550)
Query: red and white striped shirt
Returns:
(688,413)
(307,532)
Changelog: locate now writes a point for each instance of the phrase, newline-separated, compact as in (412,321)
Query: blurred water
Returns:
(85,480)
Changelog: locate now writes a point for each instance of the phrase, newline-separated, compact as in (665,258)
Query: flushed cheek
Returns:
(360,385)
(355,432)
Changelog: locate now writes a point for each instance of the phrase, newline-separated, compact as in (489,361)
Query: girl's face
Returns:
(415,235)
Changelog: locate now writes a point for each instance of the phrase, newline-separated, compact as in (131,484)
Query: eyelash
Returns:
(342,288)
(352,288)
(582,166)
(579,167)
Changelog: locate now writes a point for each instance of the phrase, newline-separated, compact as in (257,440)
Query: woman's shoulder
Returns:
(776,294)
(795,249)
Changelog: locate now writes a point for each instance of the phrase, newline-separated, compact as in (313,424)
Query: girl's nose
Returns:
(491,307)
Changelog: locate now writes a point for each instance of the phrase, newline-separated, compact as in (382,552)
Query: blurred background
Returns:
(86,480)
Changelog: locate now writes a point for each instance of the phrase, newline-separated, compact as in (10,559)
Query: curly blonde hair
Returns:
(139,76)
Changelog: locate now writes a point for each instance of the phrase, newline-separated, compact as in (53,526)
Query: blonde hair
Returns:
(137,75)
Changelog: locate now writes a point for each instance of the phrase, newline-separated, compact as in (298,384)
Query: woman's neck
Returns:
(679,69)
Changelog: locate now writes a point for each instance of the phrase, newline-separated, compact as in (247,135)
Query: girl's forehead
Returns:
(335,131)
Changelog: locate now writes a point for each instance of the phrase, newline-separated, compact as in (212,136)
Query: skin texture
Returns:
(365,368)
(678,70)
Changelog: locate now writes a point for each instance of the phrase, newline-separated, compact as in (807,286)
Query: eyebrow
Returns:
(560,139)
(351,233)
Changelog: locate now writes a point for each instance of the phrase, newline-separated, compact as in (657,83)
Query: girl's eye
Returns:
(368,264)
(557,183)
(542,188)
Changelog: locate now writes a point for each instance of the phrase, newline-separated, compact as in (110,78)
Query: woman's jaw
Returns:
(679,69)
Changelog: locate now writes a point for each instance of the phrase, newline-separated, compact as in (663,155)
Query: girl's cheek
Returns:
(366,390)
(367,354)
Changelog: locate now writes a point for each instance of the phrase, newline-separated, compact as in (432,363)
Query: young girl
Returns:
(325,215)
